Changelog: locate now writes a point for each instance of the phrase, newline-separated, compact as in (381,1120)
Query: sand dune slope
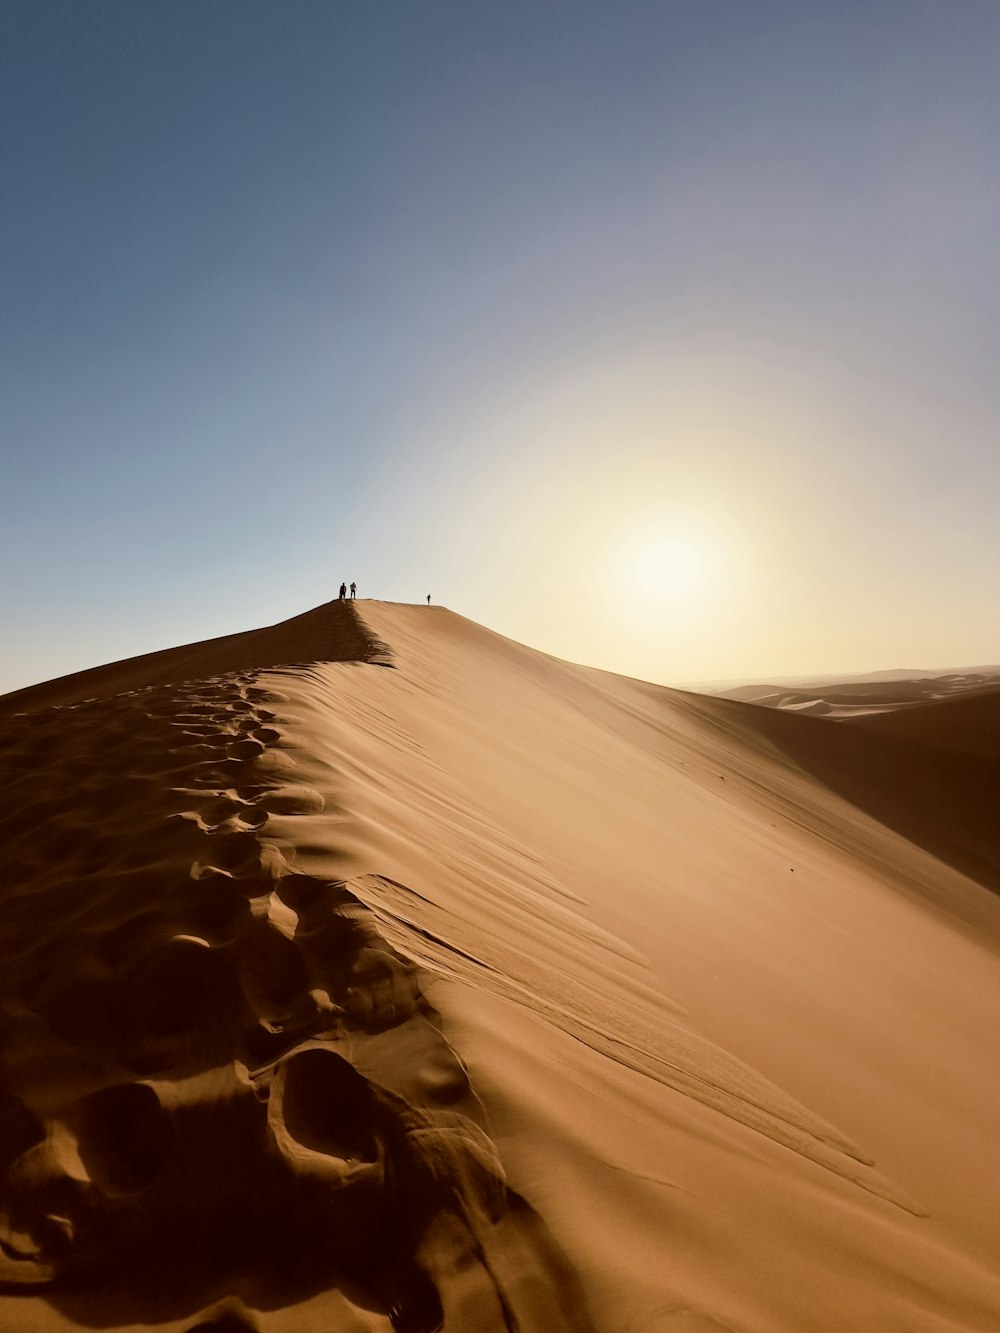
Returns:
(967,723)
(327,633)
(932,773)
(373,971)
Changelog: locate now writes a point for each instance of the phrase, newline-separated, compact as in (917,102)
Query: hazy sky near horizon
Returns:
(660,336)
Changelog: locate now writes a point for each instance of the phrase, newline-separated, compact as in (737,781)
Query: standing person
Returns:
(343,591)
(428,599)
(354,591)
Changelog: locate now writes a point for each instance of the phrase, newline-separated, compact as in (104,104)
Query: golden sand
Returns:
(371,971)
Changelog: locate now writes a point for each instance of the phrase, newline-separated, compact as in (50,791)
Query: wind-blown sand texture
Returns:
(372,971)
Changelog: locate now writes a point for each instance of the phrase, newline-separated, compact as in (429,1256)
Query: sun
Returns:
(664,563)
(667,568)
(670,568)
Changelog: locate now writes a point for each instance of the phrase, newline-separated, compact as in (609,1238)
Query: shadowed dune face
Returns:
(218,1078)
(967,722)
(930,772)
(921,753)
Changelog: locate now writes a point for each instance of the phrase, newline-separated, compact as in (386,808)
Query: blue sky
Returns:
(660,336)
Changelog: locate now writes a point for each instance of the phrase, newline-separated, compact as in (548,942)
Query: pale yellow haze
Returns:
(641,521)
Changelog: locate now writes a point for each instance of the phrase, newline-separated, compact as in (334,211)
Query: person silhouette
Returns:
(343,591)
(354,591)
(428,599)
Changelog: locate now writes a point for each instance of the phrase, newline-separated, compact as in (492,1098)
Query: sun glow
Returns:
(661,565)
(668,568)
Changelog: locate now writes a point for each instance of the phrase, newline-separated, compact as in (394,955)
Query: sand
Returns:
(879,692)
(372,971)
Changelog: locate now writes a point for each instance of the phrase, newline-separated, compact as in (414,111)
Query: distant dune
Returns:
(372,971)
(878,692)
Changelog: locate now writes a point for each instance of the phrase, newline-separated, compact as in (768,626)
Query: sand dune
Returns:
(878,692)
(329,633)
(372,972)
(966,723)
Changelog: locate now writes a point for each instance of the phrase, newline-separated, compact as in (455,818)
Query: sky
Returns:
(660,336)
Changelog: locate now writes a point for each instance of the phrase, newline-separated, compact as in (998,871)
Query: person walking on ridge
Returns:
(354,591)
(343,591)
(428,599)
